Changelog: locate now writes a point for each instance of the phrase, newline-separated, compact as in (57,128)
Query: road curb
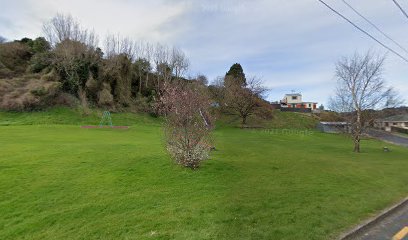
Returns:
(352,234)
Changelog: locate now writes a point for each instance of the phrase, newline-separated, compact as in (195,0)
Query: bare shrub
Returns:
(64,27)
(27,93)
(51,76)
(84,101)
(14,56)
(141,104)
(188,123)
(65,99)
(105,98)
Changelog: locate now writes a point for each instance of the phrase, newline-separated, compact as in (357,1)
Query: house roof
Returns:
(293,94)
(396,118)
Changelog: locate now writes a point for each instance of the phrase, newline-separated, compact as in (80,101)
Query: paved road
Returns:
(387,228)
(388,137)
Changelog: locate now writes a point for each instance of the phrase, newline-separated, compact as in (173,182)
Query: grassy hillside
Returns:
(64,115)
(288,120)
(62,182)
(72,116)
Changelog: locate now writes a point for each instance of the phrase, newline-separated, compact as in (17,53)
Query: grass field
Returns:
(59,181)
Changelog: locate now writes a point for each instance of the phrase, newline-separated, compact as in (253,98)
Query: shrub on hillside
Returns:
(51,76)
(117,71)
(40,61)
(105,98)
(5,72)
(15,56)
(27,93)
(264,110)
(328,116)
(65,99)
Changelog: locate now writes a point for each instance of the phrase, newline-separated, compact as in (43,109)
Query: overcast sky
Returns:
(292,45)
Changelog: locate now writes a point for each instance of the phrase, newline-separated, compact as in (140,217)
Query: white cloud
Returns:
(291,44)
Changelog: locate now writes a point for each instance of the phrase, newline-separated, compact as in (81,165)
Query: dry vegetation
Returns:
(27,93)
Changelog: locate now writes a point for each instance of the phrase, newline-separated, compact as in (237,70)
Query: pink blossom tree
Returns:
(186,107)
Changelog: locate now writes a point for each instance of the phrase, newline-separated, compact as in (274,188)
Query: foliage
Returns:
(117,72)
(141,68)
(27,93)
(188,123)
(105,98)
(40,61)
(244,100)
(201,78)
(235,74)
(40,45)
(15,56)
(73,61)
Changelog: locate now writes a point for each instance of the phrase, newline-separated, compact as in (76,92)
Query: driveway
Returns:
(388,137)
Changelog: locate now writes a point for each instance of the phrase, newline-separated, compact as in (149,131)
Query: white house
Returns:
(294,100)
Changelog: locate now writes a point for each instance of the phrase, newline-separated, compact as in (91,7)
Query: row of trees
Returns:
(124,71)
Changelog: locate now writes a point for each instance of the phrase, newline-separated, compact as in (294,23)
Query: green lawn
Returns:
(59,181)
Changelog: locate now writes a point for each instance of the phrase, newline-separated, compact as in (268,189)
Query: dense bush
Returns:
(40,61)
(15,56)
(105,98)
(27,93)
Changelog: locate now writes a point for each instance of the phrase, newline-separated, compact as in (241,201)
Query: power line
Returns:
(366,33)
(402,10)
(373,25)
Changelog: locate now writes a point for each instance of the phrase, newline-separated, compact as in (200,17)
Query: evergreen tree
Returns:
(236,74)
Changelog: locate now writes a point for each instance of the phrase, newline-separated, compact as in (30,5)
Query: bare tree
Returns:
(148,53)
(65,27)
(217,91)
(116,44)
(243,99)
(179,62)
(163,65)
(143,53)
(361,87)
(201,78)
(188,122)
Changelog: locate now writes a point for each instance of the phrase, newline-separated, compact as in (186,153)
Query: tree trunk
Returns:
(244,119)
(140,84)
(357,143)
(357,134)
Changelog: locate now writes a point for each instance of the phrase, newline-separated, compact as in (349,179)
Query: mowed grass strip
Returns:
(64,182)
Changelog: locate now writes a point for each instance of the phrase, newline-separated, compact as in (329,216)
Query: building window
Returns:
(310,105)
(395,124)
(294,97)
